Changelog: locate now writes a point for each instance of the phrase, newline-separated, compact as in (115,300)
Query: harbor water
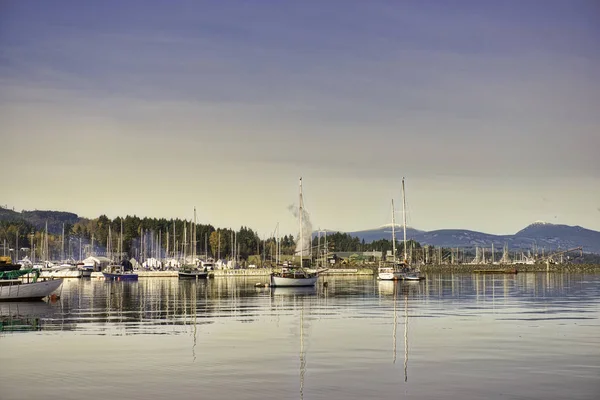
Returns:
(464,336)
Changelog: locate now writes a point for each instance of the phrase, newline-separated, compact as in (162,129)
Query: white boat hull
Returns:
(62,273)
(390,276)
(29,291)
(412,277)
(278,281)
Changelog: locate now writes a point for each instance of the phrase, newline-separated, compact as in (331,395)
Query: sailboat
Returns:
(291,275)
(399,270)
(409,273)
(12,288)
(394,270)
(122,271)
(191,271)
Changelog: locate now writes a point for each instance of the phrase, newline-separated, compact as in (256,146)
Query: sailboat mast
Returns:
(393,232)
(300,211)
(62,251)
(184,240)
(326,249)
(121,240)
(277,245)
(195,237)
(46,257)
(404,218)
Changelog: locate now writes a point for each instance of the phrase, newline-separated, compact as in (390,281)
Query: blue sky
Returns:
(490,110)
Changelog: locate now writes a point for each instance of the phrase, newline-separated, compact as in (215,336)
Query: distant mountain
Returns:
(7,214)
(384,232)
(540,234)
(38,218)
(459,238)
(552,236)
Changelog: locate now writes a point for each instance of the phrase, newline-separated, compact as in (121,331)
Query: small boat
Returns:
(86,270)
(390,272)
(208,264)
(293,276)
(120,272)
(393,270)
(12,288)
(399,270)
(193,273)
(62,271)
(7,265)
(413,276)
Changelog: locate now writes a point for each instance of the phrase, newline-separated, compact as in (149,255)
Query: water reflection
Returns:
(302,354)
(400,290)
(124,308)
(465,335)
(24,316)
(490,286)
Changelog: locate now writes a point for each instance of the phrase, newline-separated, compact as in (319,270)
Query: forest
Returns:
(55,236)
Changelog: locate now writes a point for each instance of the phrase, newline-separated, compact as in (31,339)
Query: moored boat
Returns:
(6,264)
(192,273)
(12,288)
(61,271)
(293,276)
(86,270)
(400,270)
(120,272)
(392,270)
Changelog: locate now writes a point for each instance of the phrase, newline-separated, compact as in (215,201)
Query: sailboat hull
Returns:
(413,277)
(62,273)
(193,275)
(280,281)
(29,291)
(390,276)
(120,277)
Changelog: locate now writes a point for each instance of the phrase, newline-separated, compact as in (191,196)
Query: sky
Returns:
(490,110)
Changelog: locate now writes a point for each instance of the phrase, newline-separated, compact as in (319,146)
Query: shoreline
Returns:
(372,271)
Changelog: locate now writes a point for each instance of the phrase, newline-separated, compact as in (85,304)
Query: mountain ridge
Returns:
(541,235)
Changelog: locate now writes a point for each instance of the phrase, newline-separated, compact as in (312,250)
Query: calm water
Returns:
(529,336)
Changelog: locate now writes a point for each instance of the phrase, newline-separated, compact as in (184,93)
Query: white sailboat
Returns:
(391,271)
(399,270)
(124,270)
(64,270)
(291,275)
(13,288)
(409,272)
(191,271)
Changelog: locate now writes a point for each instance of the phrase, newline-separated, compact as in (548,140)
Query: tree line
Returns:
(161,237)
